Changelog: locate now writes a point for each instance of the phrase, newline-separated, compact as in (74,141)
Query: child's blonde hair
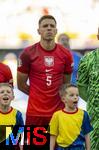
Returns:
(64,87)
(6,84)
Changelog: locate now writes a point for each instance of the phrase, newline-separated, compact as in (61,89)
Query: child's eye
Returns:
(8,91)
(71,95)
(1,92)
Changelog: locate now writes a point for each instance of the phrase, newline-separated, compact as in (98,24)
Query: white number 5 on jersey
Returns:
(48,80)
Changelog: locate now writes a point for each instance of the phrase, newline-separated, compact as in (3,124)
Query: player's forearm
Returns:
(87,142)
(88,147)
(67,78)
(52,142)
(52,147)
(24,88)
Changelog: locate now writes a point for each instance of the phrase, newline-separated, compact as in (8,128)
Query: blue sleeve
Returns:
(19,118)
(86,124)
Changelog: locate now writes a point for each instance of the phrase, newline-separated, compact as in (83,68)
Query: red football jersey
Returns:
(45,70)
(5,74)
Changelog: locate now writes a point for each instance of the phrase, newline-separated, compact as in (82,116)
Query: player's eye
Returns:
(71,95)
(1,92)
(53,26)
(45,26)
(8,91)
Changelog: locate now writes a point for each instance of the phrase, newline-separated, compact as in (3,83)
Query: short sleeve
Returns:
(54,125)
(9,77)
(68,62)
(86,124)
(19,119)
(5,74)
(24,61)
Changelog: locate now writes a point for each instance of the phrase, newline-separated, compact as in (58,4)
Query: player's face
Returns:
(6,95)
(63,39)
(71,98)
(47,29)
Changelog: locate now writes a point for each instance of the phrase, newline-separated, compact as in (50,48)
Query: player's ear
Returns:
(38,31)
(13,96)
(56,31)
(63,98)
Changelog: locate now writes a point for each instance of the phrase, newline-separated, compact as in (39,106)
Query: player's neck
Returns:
(67,109)
(47,45)
(5,109)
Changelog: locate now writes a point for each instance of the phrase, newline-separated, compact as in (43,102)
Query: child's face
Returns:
(71,98)
(6,95)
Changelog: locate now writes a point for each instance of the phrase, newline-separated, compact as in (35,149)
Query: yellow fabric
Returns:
(66,127)
(8,119)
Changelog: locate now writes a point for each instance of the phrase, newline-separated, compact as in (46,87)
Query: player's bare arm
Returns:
(87,141)
(22,82)
(67,78)
(52,142)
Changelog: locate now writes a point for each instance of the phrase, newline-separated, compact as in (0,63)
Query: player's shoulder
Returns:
(58,112)
(65,51)
(19,117)
(88,58)
(84,112)
(17,112)
(80,111)
(3,65)
(75,54)
(5,69)
(62,48)
(93,53)
(89,55)
(30,48)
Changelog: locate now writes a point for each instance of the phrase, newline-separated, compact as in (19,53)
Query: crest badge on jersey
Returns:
(49,61)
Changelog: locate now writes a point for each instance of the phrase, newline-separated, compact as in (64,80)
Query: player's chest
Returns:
(48,63)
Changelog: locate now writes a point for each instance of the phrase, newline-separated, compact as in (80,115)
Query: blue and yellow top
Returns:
(13,117)
(70,128)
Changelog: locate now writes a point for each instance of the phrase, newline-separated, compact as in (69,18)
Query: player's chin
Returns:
(74,106)
(6,102)
(49,39)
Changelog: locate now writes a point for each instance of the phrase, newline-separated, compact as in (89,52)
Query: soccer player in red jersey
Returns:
(5,74)
(44,64)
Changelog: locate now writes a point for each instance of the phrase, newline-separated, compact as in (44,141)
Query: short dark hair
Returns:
(63,34)
(6,84)
(66,86)
(70,85)
(46,17)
